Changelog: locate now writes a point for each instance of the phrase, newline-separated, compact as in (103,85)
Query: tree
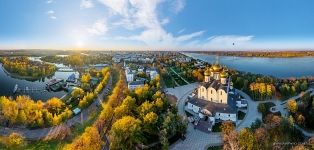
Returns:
(292,106)
(261,108)
(15,140)
(303,86)
(300,119)
(164,139)
(77,93)
(150,118)
(89,140)
(85,78)
(54,105)
(229,136)
(125,133)
(246,139)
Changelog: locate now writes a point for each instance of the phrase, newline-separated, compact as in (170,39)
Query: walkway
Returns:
(37,134)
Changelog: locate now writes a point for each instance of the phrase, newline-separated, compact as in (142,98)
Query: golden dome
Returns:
(223,74)
(207,72)
(216,68)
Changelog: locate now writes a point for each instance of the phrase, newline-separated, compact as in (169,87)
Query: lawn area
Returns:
(241,115)
(176,77)
(167,80)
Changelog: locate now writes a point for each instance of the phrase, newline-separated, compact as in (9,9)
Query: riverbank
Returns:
(29,78)
(276,67)
(265,54)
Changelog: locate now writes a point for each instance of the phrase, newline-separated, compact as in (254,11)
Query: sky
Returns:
(157,24)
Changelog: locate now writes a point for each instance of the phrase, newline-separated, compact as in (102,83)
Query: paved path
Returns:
(37,134)
(251,113)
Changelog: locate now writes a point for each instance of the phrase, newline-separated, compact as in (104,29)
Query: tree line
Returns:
(22,66)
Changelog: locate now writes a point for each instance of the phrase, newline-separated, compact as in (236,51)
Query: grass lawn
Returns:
(167,80)
(241,115)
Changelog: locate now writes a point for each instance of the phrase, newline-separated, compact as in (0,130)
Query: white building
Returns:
(134,84)
(130,77)
(152,73)
(215,98)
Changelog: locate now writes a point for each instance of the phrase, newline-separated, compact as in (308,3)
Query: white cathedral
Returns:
(215,98)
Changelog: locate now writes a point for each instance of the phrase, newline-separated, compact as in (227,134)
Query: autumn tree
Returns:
(15,140)
(125,133)
(229,136)
(89,140)
(292,106)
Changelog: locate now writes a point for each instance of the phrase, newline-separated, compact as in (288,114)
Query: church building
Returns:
(215,98)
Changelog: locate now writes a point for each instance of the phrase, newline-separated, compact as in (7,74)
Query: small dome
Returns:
(211,70)
(207,72)
(216,68)
(223,74)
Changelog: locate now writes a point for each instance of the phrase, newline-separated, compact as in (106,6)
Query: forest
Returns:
(22,66)
(133,119)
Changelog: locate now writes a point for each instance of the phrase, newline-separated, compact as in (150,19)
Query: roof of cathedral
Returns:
(216,68)
(223,74)
(207,72)
(214,84)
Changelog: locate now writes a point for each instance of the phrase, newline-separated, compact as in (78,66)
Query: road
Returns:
(37,134)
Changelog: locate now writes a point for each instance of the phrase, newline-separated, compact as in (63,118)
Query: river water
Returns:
(277,67)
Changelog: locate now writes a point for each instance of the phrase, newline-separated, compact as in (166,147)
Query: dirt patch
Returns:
(172,99)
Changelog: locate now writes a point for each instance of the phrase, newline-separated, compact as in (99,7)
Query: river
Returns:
(277,67)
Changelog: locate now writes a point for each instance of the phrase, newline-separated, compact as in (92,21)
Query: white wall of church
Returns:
(212,94)
(222,96)
(202,92)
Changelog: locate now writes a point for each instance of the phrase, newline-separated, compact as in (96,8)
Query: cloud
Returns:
(142,16)
(51,14)
(224,39)
(181,31)
(178,6)
(98,28)
(86,4)
(165,21)
(227,42)
(190,36)
(49,1)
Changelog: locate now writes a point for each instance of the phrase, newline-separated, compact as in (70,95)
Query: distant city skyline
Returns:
(157,24)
